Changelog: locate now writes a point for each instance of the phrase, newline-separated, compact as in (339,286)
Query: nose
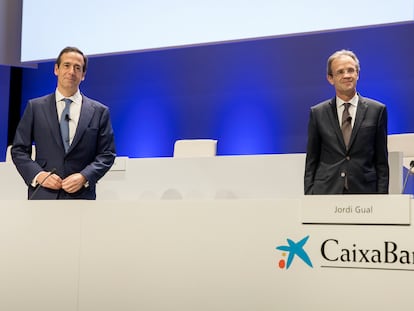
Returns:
(347,73)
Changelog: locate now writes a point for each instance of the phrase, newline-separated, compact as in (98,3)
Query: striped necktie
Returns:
(346,124)
(64,123)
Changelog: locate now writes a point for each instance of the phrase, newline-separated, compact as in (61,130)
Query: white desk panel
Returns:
(39,256)
(204,255)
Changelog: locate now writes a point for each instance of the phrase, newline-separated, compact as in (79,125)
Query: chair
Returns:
(185,148)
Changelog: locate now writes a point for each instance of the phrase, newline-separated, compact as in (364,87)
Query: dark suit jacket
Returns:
(365,163)
(91,153)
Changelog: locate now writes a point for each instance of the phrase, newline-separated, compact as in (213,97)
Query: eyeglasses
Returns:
(342,72)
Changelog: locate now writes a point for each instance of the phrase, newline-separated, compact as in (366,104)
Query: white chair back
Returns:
(195,148)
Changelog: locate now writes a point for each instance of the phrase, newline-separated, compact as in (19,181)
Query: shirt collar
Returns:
(76,98)
(353,101)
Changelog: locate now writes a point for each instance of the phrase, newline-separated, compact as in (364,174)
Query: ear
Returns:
(330,79)
(56,69)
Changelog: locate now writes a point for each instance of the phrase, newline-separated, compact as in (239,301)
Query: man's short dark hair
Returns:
(76,50)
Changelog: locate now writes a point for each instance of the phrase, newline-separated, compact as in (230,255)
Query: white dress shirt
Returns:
(352,108)
(74,111)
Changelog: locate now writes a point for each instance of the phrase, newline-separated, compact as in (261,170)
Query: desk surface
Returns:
(221,177)
(230,177)
(226,177)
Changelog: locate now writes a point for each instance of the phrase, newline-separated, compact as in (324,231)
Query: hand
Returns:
(73,182)
(49,181)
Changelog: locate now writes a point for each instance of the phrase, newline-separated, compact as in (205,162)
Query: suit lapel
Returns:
(52,119)
(85,117)
(333,118)
(359,117)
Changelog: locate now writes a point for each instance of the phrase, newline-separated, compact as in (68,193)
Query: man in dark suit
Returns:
(64,168)
(338,161)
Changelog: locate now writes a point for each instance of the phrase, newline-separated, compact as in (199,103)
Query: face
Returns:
(344,77)
(69,73)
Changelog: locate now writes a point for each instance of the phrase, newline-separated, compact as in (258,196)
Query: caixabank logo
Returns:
(334,253)
(293,250)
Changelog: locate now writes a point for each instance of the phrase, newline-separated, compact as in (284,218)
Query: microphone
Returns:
(41,183)
(410,171)
(67,118)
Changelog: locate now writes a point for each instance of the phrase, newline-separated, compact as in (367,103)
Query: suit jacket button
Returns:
(348,158)
(343,174)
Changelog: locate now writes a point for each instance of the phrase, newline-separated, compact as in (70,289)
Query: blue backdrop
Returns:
(252,96)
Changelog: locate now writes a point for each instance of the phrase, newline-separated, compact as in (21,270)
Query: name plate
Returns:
(356,209)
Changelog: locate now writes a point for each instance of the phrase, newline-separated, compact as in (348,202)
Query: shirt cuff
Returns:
(34,182)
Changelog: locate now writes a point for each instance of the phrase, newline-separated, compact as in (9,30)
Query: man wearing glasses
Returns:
(347,137)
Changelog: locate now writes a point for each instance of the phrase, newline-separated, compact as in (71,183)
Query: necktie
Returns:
(64,123)
(346,124)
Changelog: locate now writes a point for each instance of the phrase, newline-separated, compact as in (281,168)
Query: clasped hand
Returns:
(70,184)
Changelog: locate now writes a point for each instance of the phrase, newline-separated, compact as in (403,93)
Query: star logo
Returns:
(294,249)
